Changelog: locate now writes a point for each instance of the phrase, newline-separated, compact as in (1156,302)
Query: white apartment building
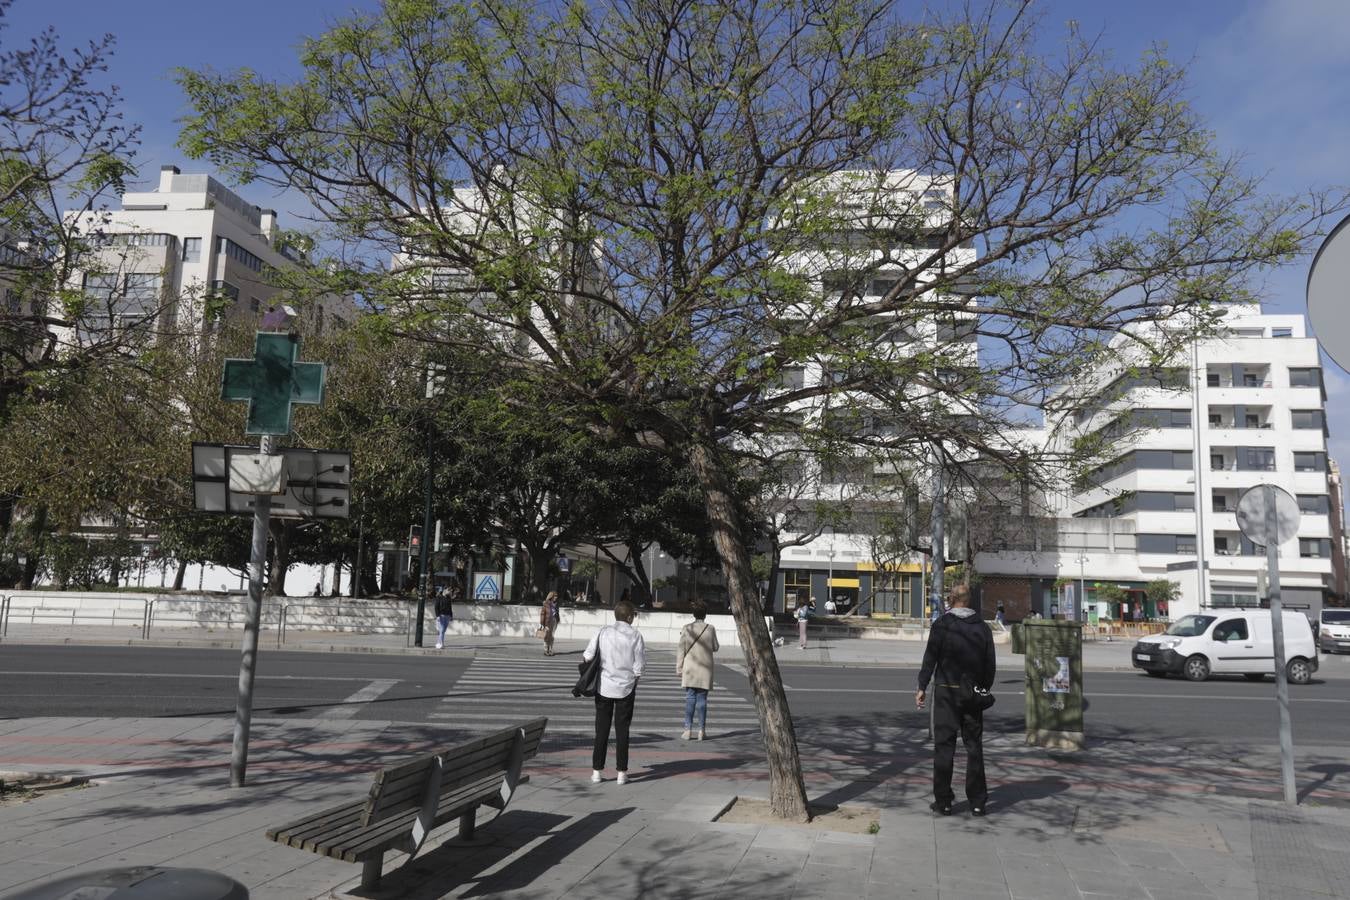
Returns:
(843,565)
(186,254)
(1247,408)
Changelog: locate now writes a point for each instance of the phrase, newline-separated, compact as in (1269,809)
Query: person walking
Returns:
(694,666)
(623,656)
(804,612)
(445,614)
(548,620)
(959,646)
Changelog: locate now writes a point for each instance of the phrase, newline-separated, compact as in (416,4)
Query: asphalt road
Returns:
(146,681)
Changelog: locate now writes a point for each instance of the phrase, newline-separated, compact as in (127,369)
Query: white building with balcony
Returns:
(1184,442)
(191,252)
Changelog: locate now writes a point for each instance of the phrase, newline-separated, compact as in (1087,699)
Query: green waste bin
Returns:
(1054,683)
(1018,638)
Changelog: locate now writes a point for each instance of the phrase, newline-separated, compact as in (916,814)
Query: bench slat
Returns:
(416,771)
(392,831)
(410,795)
(336,813)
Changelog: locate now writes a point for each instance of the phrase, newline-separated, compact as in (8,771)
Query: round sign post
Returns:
(1327,308)
(1268,515)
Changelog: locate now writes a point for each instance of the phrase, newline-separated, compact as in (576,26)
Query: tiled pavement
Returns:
(1120,820)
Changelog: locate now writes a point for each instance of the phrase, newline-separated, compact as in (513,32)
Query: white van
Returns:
(1223,642)
(1334,631)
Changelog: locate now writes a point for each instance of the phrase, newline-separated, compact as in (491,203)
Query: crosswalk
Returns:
(497,691)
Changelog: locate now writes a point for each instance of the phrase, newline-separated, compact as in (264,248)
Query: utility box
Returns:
(1017,637)
(1054,683)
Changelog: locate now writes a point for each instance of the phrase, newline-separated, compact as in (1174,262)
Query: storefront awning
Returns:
(845,582)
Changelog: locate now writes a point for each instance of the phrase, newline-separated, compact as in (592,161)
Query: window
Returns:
(1221,544)
(1166,543)
(1232,630)
(1185,543)
(192,250)
(239,254)
(1184,502)
(1215,420)
(1310,376)
(1212,379)
(1310,462)
(1307,418)
(1281,332)
(1251,420)
(1216,462)
(1220,503)
(1251,379)
(1256,459)
(225,289)
(1314,504)
(1314,548)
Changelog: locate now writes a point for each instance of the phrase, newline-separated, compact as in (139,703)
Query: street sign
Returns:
(487,585)
(1328,291)
(1253,517)
(316,484)
(272,382)
(564,564)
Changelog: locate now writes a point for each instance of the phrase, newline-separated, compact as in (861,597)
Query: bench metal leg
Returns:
(466,823)
(370,871)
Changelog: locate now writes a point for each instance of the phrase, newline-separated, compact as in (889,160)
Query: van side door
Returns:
(1236,649)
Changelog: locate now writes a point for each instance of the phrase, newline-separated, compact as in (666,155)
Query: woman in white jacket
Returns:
(694,666)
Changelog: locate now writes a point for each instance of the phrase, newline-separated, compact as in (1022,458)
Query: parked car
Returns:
(1236,642)
(1333,633)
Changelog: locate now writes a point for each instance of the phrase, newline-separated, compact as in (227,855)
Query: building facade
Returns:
(1182,443)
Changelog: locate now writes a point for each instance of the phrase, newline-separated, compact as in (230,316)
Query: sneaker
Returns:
(702,735)
(596,776)
(941,809)
(623,778)
(684,735)
(977,812)
(440,646)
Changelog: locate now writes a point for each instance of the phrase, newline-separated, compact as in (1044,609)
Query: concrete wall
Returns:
(56,609)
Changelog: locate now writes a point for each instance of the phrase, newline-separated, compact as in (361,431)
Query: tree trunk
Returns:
(36,544)
(179,573)
(337,576)
(281,558)
(787,791)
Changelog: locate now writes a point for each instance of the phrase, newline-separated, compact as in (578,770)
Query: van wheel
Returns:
(1299,671)
(1196,668)
(1254,676)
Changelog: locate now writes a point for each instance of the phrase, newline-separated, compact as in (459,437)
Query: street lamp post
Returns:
(1082,586)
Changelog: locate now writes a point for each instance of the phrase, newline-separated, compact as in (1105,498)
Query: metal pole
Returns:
(1082,591)
(425,548)
(1277,631)
(360,556)
(1201,538)
(243,711)
(939,547)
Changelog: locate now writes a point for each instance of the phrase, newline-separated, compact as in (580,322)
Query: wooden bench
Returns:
(410,799)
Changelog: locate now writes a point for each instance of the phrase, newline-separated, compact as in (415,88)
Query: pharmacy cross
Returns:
(271,382)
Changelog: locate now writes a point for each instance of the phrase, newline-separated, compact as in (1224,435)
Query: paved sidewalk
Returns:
(1122,819)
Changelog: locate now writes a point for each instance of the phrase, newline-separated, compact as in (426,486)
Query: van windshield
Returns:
(1190,626)
(1336,616)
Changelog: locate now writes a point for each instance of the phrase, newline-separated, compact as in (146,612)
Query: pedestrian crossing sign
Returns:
(487,586)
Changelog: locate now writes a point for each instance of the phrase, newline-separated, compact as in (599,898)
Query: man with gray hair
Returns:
(623,655)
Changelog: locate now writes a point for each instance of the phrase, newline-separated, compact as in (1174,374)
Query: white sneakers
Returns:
(684,735)
(702,735)
(623,778)
(440,646)
(596,776)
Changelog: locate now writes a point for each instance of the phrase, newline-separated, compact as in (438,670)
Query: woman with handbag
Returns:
(694,666)
(548,621)
(623,657)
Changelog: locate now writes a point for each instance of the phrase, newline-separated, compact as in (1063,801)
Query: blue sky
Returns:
(1271,77)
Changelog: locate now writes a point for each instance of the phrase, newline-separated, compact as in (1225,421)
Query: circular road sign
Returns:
(1329,294)
(1252,515)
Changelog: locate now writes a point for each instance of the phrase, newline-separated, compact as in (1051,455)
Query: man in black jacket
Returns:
(959,644)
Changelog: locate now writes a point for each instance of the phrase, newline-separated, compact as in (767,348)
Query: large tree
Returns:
(656,209)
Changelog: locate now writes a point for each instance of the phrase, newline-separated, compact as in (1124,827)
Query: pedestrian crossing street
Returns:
(501,691)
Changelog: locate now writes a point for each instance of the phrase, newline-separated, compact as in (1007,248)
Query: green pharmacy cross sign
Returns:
(271,382)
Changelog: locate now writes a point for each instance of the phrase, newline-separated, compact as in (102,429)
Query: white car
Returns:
(1333,632)
(1223,642)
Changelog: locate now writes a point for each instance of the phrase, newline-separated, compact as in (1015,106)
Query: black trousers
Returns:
(948,718)
(620,713)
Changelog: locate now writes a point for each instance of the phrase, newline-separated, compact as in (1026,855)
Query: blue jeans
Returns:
(442,624)
(695,706)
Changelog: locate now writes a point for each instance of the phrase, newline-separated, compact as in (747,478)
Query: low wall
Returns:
(139,612)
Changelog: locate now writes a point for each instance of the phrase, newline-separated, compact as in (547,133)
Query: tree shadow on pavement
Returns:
(455,864)
(1328,772)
